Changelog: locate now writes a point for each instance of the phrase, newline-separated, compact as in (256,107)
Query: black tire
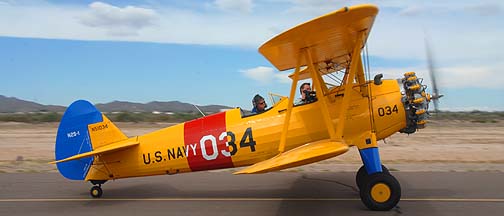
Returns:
(362,175)
(381,192)
(96,192)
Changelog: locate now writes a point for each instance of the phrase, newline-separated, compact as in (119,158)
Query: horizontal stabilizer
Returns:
(305,154)
(105,149)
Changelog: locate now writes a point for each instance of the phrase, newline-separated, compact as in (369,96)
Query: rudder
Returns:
(82,129)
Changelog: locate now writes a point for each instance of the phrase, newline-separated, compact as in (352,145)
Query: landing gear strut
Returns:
(96,191)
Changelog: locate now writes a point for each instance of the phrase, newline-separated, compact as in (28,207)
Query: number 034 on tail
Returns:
(354,112)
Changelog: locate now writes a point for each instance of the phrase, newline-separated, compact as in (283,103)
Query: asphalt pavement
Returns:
(221,193)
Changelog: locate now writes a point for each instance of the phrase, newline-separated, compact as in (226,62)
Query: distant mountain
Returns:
(12,105)
(170,106)
(121,106)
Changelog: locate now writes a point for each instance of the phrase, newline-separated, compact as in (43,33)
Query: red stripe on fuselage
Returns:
(205,132)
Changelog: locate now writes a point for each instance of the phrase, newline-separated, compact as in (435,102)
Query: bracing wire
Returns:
(330,77)
(366,66)
(370,94)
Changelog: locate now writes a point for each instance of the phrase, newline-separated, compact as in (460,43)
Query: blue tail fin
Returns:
(73,138)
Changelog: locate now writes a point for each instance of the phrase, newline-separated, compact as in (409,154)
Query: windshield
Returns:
(275,98)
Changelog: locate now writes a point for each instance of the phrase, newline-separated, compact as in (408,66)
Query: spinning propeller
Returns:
(435,90)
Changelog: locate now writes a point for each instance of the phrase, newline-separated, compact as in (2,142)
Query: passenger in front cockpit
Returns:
(307,95)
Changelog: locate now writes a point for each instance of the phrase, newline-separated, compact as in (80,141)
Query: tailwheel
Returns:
(381,192)
(96,191)
(362,175)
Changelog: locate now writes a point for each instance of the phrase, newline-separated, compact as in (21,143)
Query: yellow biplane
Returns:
(356,112)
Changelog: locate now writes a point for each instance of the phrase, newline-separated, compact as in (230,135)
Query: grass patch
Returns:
(31,117)
(473,116)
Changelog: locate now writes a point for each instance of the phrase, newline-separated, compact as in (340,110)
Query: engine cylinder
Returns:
(416,102)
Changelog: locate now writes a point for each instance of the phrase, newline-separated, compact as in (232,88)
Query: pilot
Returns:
(259,104)
(307,95)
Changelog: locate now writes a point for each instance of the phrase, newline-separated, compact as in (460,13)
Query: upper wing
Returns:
(330,37)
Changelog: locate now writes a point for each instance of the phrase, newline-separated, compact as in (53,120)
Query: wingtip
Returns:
(239,173)
(251,170)
(248,170)
(244,172)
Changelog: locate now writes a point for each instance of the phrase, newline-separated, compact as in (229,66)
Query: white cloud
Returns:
(451,83)
(118,21)
(164,25)
(482,76)
(485,9)
(468,42)
(266,75)
(244,6)
(282,77)
(412,10)
(452,77)
(261,74)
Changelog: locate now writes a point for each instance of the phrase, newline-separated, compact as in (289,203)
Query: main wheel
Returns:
(381,192)
(96,192)
(362,175)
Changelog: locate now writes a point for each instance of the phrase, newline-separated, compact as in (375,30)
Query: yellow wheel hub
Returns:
(95,192)
(380,192)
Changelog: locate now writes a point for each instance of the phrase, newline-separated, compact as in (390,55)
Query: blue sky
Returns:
(205,52)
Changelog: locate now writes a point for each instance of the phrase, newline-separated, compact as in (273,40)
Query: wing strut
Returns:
(335,134)
(283,138)
(348,84)
(317,82)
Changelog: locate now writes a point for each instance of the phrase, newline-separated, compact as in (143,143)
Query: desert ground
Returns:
(448,145)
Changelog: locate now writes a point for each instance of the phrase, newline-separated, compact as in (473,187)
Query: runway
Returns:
(221,193)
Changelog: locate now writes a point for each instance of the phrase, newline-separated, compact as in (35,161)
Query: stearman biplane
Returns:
(356,112)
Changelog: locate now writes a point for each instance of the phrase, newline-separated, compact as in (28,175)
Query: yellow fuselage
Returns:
(227,139)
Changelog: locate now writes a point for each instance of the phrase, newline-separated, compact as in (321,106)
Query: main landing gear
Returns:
(96,191)
(379,191)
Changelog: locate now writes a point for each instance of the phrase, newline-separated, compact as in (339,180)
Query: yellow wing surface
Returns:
(329,37)
(305,154)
